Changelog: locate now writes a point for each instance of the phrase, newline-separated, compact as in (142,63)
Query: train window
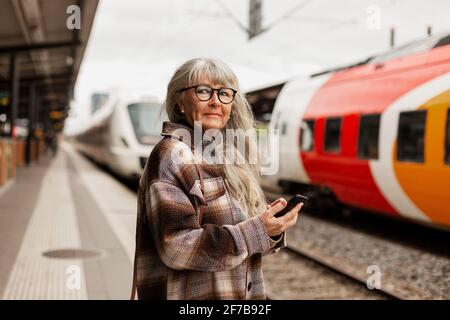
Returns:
(447,139)
(307,135)
(146,120)
(333,135)
(443,42)
(369,126)
(411,135)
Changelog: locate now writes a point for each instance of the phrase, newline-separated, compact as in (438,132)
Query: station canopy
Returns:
(48,53)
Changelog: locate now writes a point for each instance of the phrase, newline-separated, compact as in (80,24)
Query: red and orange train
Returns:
(375,135)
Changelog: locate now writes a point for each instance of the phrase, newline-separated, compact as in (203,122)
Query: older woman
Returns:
(203,226)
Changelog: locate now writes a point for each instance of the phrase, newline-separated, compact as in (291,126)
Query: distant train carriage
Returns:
(122,134)
(375,135)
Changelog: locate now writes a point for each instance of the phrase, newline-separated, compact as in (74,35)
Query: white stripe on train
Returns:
(383,168)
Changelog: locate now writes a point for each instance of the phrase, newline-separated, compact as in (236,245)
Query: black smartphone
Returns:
(291,204)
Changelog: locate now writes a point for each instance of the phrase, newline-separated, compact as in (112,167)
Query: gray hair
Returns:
(241,177)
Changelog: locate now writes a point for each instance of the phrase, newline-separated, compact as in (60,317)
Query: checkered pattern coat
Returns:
(193,244)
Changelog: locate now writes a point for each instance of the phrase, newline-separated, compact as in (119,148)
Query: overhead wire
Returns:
(230,14)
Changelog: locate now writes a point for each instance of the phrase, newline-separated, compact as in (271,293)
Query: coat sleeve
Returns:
(277,244)
(183,244)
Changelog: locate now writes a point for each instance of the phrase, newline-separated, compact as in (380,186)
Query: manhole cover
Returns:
(71,254)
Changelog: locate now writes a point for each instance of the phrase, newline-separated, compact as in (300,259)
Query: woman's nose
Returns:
(215,99)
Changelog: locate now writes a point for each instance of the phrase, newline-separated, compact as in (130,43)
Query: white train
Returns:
(122,134)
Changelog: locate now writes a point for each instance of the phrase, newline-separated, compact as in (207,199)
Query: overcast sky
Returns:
(137,44)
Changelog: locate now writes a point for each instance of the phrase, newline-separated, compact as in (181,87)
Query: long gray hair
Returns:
(242,177)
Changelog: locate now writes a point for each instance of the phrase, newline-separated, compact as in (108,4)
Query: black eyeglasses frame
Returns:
(218,90)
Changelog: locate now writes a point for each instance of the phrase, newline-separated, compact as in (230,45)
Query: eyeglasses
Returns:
(205,92)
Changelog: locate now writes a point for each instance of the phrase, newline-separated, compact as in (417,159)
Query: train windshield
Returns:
(146,120)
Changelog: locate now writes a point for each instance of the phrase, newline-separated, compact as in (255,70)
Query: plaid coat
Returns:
(194,245)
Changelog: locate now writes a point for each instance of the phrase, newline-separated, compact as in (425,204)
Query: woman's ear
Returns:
(180,104)
(180,107)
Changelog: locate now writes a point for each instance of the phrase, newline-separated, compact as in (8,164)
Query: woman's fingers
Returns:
(291,215)
(276,206)
(275,226)
(275,202)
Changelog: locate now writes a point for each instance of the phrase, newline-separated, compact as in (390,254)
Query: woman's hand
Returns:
(275,226)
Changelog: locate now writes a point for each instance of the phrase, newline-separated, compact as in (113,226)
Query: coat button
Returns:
(249,286)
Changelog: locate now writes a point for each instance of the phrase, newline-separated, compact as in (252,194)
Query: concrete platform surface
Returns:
(66,232)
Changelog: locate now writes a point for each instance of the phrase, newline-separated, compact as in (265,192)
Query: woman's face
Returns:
(213,114)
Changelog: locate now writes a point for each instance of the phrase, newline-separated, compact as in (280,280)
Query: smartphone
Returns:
(291,204)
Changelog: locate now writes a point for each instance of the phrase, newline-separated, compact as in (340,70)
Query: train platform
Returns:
(66,231)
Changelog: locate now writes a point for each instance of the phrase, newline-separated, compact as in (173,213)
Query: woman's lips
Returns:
(213,115)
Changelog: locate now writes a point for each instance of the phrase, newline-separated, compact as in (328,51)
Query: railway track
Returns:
(329,260)
(335,282)
(291,275)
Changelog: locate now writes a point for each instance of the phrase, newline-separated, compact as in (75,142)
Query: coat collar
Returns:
(186,133)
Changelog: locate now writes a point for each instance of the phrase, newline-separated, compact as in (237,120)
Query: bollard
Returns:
(37,149)
(2,163)
(20,153)
(13,158)
(41,147)
(32,150)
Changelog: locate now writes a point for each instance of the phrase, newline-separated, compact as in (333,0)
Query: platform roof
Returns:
(48,53)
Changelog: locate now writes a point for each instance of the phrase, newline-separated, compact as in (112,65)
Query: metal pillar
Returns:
(255,18)
(392,43)
(14,91)
(31,119)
